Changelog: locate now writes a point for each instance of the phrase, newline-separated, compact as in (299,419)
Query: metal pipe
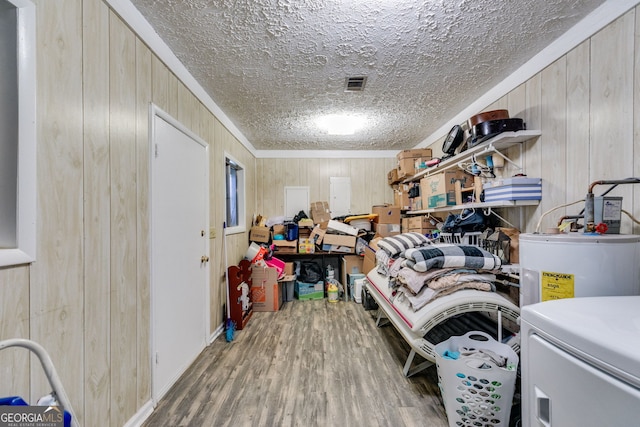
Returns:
(569,217)
(589,219)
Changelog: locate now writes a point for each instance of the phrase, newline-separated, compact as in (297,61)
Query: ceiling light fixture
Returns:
(341,124)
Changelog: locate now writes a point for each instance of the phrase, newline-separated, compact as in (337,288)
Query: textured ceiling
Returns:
(275,66)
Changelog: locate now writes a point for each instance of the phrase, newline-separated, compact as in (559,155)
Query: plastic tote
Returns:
(476,391)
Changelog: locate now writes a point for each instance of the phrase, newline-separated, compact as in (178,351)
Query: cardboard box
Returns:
(339,240)
(306,246)
(338,248)
(266,291)
(341,227)
(407,160)
(416,204)
(320,212)
(351,264)
(438,190)
(414,153)
(289,268)
(309,291)
(386,230)
(285,246)
(259,234)
(317,234)
(279,229)
(386,214)
(393,177)
(404,224)
(369,260)
(420,222)
(305,222)
(304,232)
(401,197)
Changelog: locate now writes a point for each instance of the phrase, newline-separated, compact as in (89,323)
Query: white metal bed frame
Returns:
(413,326)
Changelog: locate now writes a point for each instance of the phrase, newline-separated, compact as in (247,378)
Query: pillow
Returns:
(393,245)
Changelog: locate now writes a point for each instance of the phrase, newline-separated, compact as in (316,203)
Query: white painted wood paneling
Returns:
(123,295)
(143,313)
(97,206)
(56,290)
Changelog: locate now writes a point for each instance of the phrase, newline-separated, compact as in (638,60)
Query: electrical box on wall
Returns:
(608,210)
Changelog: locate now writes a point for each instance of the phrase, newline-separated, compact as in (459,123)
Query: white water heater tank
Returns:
(555,266)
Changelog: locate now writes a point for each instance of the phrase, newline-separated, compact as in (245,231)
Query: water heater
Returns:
(556,266)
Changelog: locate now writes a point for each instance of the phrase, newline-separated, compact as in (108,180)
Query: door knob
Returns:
(204,258)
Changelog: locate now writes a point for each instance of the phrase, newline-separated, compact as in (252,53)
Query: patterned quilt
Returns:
(446,255)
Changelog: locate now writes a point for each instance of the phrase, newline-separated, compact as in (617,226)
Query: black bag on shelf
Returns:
(467,220)
(310,272)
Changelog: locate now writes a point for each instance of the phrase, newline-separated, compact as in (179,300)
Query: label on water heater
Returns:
(556,286)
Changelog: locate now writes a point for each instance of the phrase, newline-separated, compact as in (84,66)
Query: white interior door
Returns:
(296,199)
(340,195)
(179,273)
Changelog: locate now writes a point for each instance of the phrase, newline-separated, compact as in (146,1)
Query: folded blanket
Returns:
(415,280)
(457,278)
(427,294)
(443,255)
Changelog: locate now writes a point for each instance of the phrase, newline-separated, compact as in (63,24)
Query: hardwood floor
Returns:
(313,363)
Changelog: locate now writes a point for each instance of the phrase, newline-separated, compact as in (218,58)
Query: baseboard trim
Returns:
(141,416)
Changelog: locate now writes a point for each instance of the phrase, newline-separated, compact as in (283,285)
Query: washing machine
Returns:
(580,362)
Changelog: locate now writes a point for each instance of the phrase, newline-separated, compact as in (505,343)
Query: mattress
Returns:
(418,327)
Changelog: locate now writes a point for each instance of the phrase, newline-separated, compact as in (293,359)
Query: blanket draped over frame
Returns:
(424,271)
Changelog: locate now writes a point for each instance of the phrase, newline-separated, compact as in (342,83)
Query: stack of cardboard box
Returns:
(387,223)
(410,162)
(339,237)
(407,160)
(423,224)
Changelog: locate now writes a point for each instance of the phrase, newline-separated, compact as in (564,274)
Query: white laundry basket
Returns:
(475,390)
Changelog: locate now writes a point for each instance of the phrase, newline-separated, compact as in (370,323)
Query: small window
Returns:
(235,196)
(17,133)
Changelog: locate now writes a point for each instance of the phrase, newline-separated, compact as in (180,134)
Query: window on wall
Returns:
(17,132)
(235,196)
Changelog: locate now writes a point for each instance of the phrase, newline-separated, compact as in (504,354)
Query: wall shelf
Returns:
(482,205)
(496,144)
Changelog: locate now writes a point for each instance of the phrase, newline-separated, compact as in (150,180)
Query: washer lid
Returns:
(604,331)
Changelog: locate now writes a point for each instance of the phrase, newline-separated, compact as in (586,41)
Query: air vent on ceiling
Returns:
(355,84)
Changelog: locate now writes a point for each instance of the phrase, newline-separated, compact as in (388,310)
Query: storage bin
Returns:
(356,291)
(309,291)
(476,391)
(469,238)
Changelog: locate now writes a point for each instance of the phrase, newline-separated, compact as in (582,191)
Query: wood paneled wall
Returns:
(587,106)
(584,104)
(368,181)
(86,298)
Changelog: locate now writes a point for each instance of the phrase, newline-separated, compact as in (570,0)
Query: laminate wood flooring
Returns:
(313,363)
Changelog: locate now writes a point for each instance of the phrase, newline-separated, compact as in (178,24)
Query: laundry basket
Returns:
(475,389)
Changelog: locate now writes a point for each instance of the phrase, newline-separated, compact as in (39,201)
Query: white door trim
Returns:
(155,111)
